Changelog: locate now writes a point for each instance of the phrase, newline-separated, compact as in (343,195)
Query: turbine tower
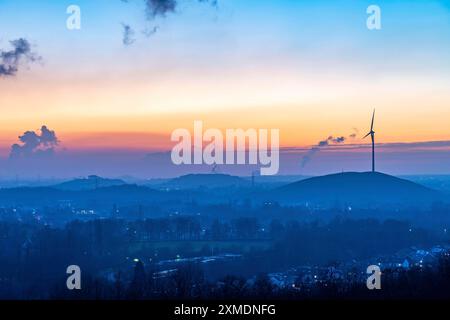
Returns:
(372,135)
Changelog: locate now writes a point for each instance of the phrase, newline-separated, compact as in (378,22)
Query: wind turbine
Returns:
(372,135)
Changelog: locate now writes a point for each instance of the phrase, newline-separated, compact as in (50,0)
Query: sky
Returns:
(311,69)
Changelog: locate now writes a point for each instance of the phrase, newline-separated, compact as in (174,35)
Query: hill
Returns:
(352,188)
(89,183)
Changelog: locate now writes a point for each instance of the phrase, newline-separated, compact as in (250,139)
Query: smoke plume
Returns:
(331,140)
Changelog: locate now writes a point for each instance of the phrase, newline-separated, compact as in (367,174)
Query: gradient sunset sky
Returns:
(310,68)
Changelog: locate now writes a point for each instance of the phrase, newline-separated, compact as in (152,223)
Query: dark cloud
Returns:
(32,143)
(11,60)
(160,8)
(128,35)
(155,8)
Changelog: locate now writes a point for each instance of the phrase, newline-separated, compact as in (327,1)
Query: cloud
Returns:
(33,143)
(11,60)
(128,35)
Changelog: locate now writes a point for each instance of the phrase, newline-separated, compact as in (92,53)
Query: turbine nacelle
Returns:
(370,133)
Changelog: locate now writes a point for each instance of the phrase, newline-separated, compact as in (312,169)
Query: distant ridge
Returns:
(366,188)
(344,189)
(120,194)
(90,183)
(195,181)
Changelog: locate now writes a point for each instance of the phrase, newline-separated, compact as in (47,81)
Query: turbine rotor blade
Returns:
(367,135)
(373,118)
